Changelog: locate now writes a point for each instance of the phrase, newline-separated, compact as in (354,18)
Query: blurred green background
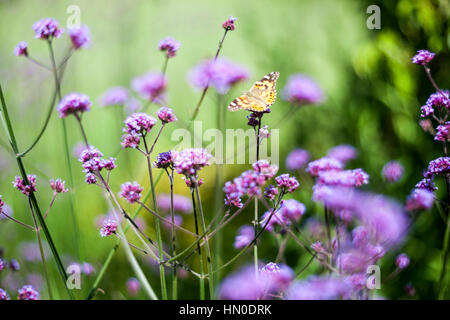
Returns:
(373,94)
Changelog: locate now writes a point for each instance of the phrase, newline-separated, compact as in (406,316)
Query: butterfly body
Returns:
(260,96)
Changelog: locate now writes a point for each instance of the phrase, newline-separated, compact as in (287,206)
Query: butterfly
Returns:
(260,96)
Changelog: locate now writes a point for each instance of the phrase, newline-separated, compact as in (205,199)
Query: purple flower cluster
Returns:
(151,86)
(297,159)
(47,29)
(136,126)
(343,153)
(93,162)
(302,90)
(270,192)
(26,189)
(420,199)
(27,292)
(4,295)
(164,160)
(166,115)
(180,203)
(244,236)
(402,261)
(345,178)
(74,103)
(220,74)
(287,183)
(392,171)
(21,49)
(319,288)
(442,132)
(423,57)
(290,211)
(439,166)
(109,228)
(80,37)
(426,184)
(58,185)
(229,24)
(114,96)
(170,46)
(265,168)
(190,161)
(323,164)
(131,191)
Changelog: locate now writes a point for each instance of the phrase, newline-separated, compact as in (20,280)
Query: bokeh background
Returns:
(373,95)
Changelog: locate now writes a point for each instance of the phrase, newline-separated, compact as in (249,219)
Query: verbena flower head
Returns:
(2,264)
(265,168)
(264,132)
(74,103)
(170,46)
(402,261)
(439,100)
(287,183)
(151,86)
(114,96)
(131,140)
(133,286)
(166,115)
(420,199)
(131,191)
(21,49)
(80,37)
(190,161)
(290,211)
(27,292)
(4,295)
(323,164)
(181,203)
(14,265)
(442,132)
(250,182)
(220,74)
(58,185)
(301,90)
(229,24)
(426,111)
(26,189)
(423,57)
(93,162)
(297,159)
(244,236)
(164,160)
(270,192)
(109,228)
(426,184)
(343,153)
(439,166)
(233,193)
(139,123)
(356,260)
(393,171)
(346,178)
(319,288)
(280,276)
(47,29)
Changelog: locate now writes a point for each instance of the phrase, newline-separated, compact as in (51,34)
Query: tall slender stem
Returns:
(199,250)
(173,238)
(256,216)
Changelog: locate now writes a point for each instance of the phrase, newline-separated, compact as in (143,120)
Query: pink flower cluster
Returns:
(420,199)
(131,191)
(244,237)
(58,185)
(392,171)
(80,37)
(47,29)
(190,161)
(21,49)
(346,178)
(229,24)
(287,183)
(170,46)
(423,57)
(136,126)
(109,228)
(74,103)
(93,163)
(289,212)
(323,164)
(166,115)
(26,189)
(151,86)
(28,293)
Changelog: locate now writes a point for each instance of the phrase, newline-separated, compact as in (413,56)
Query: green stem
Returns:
(199,250)
(256,217)
(173,238)
(7,123)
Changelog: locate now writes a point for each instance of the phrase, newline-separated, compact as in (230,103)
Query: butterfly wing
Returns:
(265,88)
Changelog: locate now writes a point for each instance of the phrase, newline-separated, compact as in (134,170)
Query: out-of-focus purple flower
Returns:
(14,265)
(423,57)
(319,288)
(181,203)
(109,228)
(439,166)
(264,132)
(229,24)
(343,153)
(2,264)
(58,185)
(246,284)
(287,183)
(290,211)
(4,295)
(420,199)
(21,49)
(442,132)
(270,192)
(27,292)
(318,247)
(164,160)
(132,105)
(280,276)
(346,178)
(131,191)
(114,96)
(74,103)
(323,164)
(439,100)
(47,29)
(297,159)
(170,46)
(426,125)
(265,168)
(402,261)
(393,171)
(88,269)
(151,86)
(426,184)
(26,189)
(30,251)
(357,260)
(301,90)
(178,220)
(358,281)
(166,115)
(220,74)
(80,37)
(244,236)
(133,286)
(191,160)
